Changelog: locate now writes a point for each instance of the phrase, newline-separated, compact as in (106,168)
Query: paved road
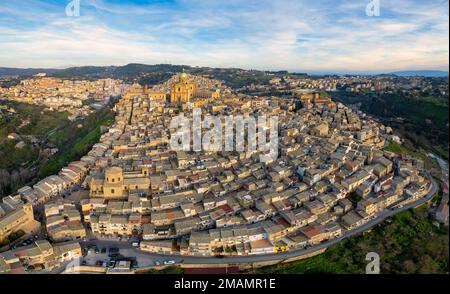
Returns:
(442,163)
(146,259)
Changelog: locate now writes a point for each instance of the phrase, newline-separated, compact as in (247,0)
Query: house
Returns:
(263,246)
(352,220)
(314,233)
(160,247)
(13,136)
(200,243)
(20,218)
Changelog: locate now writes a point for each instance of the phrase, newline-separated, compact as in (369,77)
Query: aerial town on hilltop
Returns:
(331,176)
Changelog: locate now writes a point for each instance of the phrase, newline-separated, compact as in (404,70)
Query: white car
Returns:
(168,262)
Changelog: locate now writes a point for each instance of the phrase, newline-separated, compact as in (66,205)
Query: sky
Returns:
(335,36)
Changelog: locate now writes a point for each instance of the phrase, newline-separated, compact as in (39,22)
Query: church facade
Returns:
(183,91)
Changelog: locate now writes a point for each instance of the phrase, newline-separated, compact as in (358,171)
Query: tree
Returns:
(228,250)
(15,180)
(4,177)
(4,182)
(218,250)
(25,175)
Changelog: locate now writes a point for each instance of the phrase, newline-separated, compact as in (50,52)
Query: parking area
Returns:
(105,257)
(25,241)
(102,253)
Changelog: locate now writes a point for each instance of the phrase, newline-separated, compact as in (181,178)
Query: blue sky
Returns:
(302,35)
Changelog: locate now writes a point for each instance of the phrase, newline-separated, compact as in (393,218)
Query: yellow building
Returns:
(118,185)
(320,130)
(315,98)
(66,232)
(138,90)
(67,251)
(108,224)
(40,253)
(161,246)
(21,218)
(183,91)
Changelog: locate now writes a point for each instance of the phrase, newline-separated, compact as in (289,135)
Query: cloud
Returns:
(292,35)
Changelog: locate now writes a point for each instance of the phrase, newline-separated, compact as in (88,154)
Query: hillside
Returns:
(10,72)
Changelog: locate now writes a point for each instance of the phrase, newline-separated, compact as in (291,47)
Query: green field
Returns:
(40,120)
(12,157)
(74,142)
(408,243)
(53,130)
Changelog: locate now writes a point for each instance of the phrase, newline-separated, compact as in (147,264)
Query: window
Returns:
(112,191)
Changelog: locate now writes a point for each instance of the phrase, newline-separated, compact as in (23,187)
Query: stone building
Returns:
(117,185)
(184,91)
(19,218)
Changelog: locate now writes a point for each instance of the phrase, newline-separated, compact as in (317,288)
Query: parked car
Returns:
(113,250)
(169,262)
(157,263)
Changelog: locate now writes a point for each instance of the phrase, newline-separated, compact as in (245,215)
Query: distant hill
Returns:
(421,73)
(132,70)
(9,72)
(158,73)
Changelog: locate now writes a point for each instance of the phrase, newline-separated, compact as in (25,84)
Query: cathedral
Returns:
(183,91)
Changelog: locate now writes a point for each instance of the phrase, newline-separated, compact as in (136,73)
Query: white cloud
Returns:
(264,35)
